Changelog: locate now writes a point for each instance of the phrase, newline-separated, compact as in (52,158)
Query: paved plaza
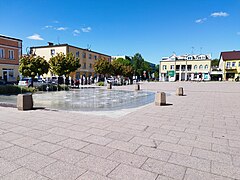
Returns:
(196,136)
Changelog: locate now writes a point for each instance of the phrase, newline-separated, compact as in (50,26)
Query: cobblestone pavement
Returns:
(197,137)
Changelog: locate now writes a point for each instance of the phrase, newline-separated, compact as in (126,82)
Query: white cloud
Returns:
(56,22)
(199,21)
(219,14)
(87,29)
(47,27)
(61,29)
(35,37)
(76,32)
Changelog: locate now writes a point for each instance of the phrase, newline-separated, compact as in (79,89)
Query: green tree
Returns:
(215,62)
(103,67)
(62,64)
(119,66)
(137,62)
(156,72)
(31,66)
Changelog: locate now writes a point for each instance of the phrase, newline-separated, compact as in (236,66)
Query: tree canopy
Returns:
(122,67)
(102,66)
(214,62)
(62,64)
(31,66)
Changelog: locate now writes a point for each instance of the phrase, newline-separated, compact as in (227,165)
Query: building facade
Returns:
(10,53)
(86,57)
(185,67)
(229,63)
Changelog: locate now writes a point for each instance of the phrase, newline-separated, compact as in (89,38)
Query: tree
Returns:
(119,66)
(156,72)
(214,63)
(31,66)
(102,66)
(138,61)
(62,64)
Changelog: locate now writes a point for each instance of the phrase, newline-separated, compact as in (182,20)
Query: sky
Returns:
(153,28)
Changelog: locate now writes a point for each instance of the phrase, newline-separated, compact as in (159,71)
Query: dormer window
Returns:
(189,58)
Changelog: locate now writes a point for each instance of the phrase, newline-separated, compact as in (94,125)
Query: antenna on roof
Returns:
(58,39)
(192,50)
(89,47)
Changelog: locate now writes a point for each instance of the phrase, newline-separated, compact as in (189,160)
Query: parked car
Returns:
(2,82)
(27,82)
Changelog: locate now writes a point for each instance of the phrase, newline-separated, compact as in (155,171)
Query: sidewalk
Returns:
(197,137)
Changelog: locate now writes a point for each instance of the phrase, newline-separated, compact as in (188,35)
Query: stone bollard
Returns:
(137,87)
(109,85)
(179,91)
(24,102)
(160,99)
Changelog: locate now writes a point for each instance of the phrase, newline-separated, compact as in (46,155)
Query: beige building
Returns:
(10,53)
(86,57)
(185,67)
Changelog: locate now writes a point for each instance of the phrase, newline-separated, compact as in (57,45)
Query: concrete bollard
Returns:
(137,87)
(160,99)
(179,91)
(109,85)
(24,102)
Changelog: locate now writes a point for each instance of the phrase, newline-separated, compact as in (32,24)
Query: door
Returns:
(5,75)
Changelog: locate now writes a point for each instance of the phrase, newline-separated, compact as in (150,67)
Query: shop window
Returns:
(195,67)
(206,66)
(201,67)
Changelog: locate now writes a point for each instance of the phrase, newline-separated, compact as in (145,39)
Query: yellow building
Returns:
(185,67)
(230,65)
(86,57)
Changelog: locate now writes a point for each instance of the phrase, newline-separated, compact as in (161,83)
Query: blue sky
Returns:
(154,28)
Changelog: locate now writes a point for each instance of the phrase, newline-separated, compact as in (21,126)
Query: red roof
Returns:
(230,55)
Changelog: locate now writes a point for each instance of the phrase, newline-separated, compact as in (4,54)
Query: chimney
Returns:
(50,43)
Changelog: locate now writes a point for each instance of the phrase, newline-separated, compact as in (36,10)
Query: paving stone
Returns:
(153,153)
(165,138)
(53,138)
(144,141)
(189,161)
(194,143)
(128,158)
(212,140)
(35,133)
(130,173)
(198,132)
(26,142)
(98,140)
(175,148)
(10,136)
(234,143)
(119,136)
(20,129)
(226,149)
(4,145)
(192,174)
(45,148)
(34,161)
(92,176)
(97,164)
(225,170)
(174,128)
(124,146)
(182,135)
(97,150)
(73,143)
(14,152)
(7,166)
(68,155)
(21,174)
(98,132)
(79,128)
(236,160)
(210,155)
(160,177)
(7,126)
(62,171)
(164,168)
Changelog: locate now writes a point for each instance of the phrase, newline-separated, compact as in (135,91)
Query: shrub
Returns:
(100,83)
(14,90)
(52,87)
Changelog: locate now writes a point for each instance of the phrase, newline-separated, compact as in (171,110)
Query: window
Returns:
(77,54)
(201,67)
(195,67)
(84,66)
(11,54)
(199,57)
(233,64)
(90,56)
(164,67)
(228,64)
(1,53)
(90,65)
(84,55)
(189,58)
(95,57)
(52,52)
(206,66)
(172,67)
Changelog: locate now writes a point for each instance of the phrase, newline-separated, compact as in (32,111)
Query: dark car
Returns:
(3,82)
